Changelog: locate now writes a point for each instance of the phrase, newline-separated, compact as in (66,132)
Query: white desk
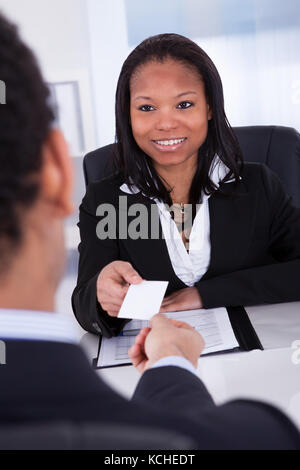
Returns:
(269,375)
(277,325)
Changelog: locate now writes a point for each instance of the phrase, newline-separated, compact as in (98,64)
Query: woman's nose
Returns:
(166,121)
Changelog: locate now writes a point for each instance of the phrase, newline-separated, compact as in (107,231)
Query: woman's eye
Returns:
(185,105)
(146,108)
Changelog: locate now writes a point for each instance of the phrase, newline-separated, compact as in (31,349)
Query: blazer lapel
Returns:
(231,227)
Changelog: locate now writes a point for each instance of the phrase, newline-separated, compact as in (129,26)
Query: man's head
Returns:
(35,171)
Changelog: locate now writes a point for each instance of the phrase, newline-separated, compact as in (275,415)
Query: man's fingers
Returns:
(140,338)
(181,324)
(145,331)
(135,354)
(134,351)
(137,357)
(159,320)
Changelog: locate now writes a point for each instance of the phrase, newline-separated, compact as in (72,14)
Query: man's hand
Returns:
(166,337)
(113,283)
(183,299)
(137,352)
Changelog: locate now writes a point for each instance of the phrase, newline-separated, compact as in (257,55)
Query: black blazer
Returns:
(255,248)
(55,382)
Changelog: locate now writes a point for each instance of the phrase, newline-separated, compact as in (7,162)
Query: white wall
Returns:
(88,40)
(109,49)
(260,76)
(57,31)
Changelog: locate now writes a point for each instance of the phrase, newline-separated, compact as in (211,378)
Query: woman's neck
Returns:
(178,180)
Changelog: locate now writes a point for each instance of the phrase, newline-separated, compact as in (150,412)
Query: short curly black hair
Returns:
(25,120)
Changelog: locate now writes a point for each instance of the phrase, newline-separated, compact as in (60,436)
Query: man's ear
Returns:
(57,174)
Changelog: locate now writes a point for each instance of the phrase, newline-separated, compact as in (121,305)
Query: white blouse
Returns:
(189,266)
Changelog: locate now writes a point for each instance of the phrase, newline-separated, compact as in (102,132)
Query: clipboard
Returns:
(243,329)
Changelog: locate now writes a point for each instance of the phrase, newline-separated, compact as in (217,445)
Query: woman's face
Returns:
(169,113)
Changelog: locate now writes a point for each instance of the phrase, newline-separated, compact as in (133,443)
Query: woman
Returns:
(228,234)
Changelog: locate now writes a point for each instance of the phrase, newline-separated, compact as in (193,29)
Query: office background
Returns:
(81,45)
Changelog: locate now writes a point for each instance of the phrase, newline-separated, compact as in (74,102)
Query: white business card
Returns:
(143,300)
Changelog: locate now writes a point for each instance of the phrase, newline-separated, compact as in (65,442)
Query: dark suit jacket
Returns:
(255,248)
(48,381)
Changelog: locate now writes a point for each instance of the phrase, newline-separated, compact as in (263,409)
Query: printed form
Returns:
(213,324)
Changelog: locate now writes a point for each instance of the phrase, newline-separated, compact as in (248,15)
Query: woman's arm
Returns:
(94,255)
(272,283)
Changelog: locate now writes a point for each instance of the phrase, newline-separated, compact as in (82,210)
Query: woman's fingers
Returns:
(169,299)
(170,307)
(125,272)
(112,313)
(113,289)
(113,283)
(111,297)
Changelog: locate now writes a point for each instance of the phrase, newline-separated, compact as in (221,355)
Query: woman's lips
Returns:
(169,145)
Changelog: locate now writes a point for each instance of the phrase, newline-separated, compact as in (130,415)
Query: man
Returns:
(47,377)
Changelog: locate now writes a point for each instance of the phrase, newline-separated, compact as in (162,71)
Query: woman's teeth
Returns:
(169,142)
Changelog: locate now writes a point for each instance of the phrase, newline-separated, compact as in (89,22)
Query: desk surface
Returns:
(272,375)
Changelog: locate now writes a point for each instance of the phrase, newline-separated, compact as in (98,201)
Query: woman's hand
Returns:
(183,299)
(113,283)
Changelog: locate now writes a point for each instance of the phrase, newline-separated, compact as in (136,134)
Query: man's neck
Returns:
(15,296)
(26,287)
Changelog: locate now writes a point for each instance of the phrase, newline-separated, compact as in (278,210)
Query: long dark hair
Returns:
(132,162)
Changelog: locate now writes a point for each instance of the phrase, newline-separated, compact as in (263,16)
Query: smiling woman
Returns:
(169,130)
(168,86)
(228,234)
